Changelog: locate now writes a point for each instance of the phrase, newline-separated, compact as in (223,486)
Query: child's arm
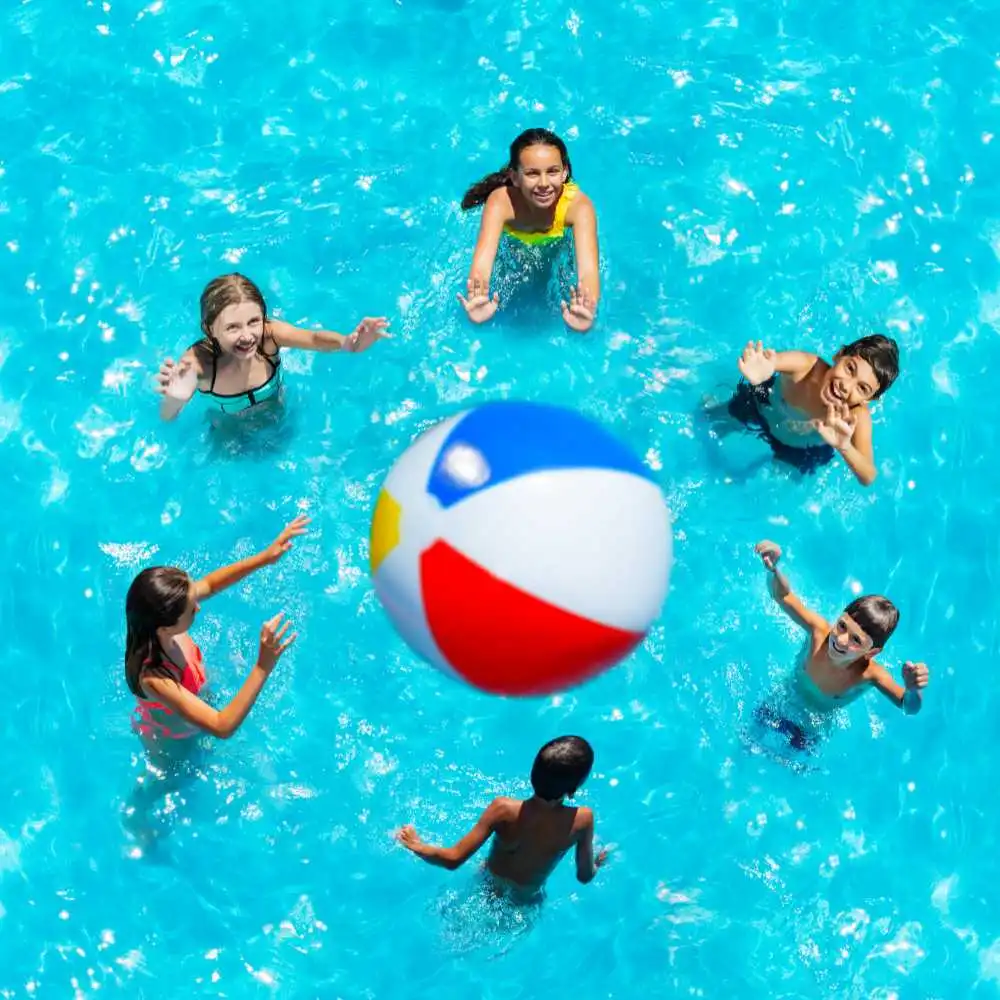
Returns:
(479,306)
(365,334)
(221,579)
(578,313)
(782,592)
(225,722)
(586,863)
(851,434)
(910,698)
(456,856)
(757,364)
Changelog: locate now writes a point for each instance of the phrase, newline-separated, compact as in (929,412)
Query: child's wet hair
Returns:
(561,767)
(876,615)
(157,598)
(481,190)
(228,290)
(882,353)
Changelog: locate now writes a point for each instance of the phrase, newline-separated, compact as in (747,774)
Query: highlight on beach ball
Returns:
(520,547)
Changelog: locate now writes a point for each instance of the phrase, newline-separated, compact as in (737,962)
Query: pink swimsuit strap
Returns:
(192,678)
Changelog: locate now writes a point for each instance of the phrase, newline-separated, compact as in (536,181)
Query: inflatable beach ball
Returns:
(520,547)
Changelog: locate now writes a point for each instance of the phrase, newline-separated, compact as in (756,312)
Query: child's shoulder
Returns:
(583,817)
(504,808)
(874,669)
(499,200)
(806,363)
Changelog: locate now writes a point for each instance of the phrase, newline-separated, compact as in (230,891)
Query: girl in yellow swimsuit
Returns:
(533,200)
(237,365)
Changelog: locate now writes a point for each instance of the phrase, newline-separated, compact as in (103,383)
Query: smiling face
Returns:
(239,329)
(540,175)
(848,641)
(851,380)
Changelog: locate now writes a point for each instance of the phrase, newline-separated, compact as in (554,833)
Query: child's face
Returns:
(541,175)
(239,329)
(848,640)
(851,380)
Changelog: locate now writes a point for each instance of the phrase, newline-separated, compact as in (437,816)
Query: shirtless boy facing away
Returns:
(530,836)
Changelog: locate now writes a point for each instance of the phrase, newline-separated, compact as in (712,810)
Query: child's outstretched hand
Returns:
(273,642)
(370,329)
(283,542)
(578,314)
(479,307)
(769,552)
(756,363)
(915,675)
(177,381)
(837,427)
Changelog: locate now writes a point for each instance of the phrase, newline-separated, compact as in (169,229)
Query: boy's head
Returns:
(863,628)
(561,767)
(862,371)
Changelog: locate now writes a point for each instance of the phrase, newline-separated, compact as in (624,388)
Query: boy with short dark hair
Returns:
(530,836)
(808,409)
(839,662)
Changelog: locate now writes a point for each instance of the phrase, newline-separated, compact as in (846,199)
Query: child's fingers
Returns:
(285,645)
(273,623)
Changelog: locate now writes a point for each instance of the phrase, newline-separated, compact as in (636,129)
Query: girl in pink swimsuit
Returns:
(163,665)
(164,668)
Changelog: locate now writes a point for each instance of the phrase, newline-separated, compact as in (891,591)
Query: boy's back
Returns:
(531,837)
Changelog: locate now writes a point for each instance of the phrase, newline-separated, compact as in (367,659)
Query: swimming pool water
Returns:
(796,172)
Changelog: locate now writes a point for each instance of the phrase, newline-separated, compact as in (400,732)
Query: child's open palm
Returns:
(283,542)
(370,329)
(177,381)
(578,313)
(837,427)
(757,364)
(274,640)
(479,307)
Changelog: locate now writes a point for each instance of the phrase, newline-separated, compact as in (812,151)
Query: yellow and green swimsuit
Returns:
(556,231)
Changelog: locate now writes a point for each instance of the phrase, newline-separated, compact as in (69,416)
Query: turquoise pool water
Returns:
(795,172)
